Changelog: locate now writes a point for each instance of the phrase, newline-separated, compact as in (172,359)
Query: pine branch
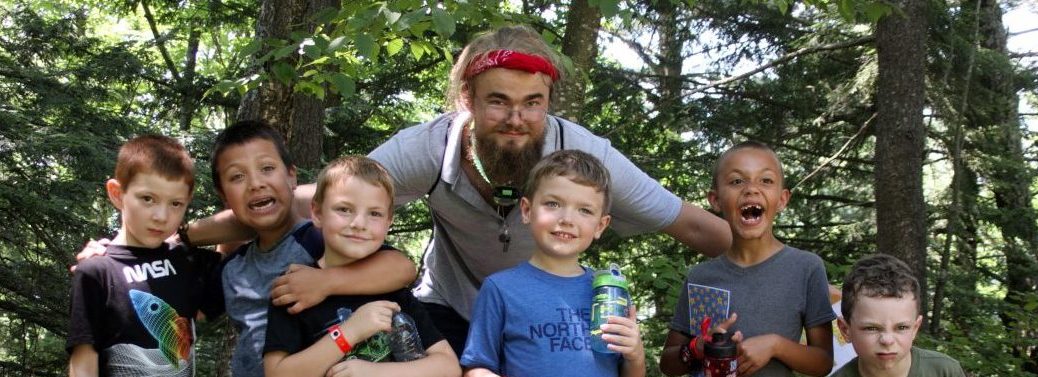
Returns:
(159,41)
(783,59)
(861,131)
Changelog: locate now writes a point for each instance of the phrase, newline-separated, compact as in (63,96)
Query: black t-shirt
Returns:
(293,333)
(137,306)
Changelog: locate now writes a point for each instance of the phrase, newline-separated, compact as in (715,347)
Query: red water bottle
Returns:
(720,355)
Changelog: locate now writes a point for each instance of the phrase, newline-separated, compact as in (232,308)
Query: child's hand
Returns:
(755,352)
(369,319)
(300,286)
(350,368)
(623,336)
(91,249)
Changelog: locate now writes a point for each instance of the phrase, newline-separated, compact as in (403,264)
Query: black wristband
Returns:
(182,234)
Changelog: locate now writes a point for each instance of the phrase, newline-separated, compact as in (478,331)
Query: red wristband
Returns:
(340,340)
(693,350)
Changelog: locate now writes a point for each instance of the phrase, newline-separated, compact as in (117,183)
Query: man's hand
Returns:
(755,352)
(301,287)
(92,249)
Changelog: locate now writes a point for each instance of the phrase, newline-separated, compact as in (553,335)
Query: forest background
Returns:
(898,124)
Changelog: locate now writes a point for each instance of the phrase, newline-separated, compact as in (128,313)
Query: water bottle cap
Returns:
(610,277)
(720,347)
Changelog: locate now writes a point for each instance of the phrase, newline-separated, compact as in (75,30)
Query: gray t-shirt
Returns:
(247,277)
(466,228)
(782,295)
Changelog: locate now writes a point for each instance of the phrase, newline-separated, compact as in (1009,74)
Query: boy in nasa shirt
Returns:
(132,309)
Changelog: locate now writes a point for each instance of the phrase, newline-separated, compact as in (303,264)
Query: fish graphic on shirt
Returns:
(171,331)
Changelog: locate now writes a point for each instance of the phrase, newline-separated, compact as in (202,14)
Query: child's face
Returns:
(152,208)
(354,219)
(882,330)
(564,217)
(749,192)
(257,185)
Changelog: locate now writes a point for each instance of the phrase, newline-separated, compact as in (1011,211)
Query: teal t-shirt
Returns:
(925,363)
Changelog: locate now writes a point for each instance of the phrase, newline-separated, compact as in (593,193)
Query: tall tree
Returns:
(901,136)
(1004,165)
(299,116)
(580,44)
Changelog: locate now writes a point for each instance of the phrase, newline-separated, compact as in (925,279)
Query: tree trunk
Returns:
(580,44)
(901,137)
(1005,167)
(672,43)
(299,117)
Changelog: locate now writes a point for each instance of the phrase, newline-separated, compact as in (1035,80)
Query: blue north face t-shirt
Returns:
(527,322)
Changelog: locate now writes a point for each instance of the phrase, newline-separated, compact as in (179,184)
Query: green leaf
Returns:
(442,22)
(251,48)
(283,72)
(394,46)
(609,7)
(846,9)
(336,44)
(325,15)
(342,84)
(312,51)
(417,50)
(875,11)
(366,46)
(391,16)
(284,51)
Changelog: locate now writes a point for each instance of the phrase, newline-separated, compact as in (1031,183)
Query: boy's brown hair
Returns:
(156,154)
(879,275)
(749,144)
(362,167)
(242,132)
(580,167)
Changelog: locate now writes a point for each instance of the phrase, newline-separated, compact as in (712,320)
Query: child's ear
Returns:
(524,208)
(315,213)
(845,328)
(293,182)
(603,223)
(784,199)
(915,326)
(115,193)
(711,196)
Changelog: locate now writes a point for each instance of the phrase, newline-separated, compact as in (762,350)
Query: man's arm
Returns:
(700,230)
(813,359)
(382,272)
(83,362)
(480,372)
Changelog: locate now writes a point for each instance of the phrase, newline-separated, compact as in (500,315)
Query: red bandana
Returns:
(511,60)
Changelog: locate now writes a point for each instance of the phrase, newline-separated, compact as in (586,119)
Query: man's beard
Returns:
(508,166)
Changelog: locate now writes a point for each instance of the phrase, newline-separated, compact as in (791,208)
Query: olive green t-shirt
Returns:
(925,363)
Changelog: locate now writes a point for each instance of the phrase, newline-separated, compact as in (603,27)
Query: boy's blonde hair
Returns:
(156,154)
(580,167)
(879,275)
(520,38)
(362,167)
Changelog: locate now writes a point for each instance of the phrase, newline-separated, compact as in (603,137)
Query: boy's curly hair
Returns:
(879,275)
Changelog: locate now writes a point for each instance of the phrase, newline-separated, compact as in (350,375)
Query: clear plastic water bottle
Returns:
(720,355)
(609,297)
(404,340)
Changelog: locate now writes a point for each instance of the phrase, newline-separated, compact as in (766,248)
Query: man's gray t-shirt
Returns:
(782,295)
(466,228)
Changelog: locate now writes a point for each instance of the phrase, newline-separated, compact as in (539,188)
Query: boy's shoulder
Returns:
(934,363)
(304,236)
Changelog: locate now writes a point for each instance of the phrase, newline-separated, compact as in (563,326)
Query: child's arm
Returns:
(319,357)
(83,362)
(814,359)
(480,372)
(303,286)
(439,361)
(624,337)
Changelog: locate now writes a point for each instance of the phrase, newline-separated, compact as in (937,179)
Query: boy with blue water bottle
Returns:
(534,319)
